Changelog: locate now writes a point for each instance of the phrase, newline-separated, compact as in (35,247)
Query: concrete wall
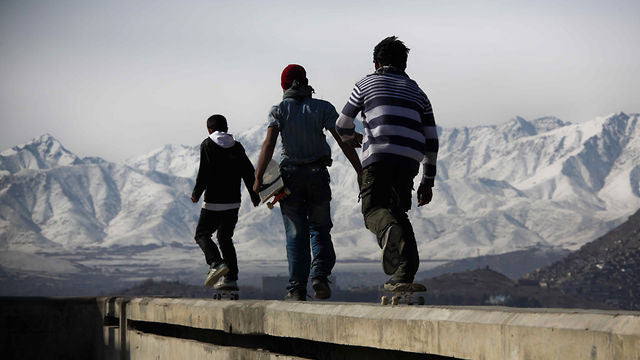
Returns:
(459,332)
(163,328)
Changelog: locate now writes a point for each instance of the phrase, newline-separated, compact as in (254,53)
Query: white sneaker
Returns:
(215,273)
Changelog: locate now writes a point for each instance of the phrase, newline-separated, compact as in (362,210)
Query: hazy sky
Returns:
(119,78)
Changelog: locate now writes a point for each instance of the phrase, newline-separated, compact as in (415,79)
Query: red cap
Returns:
(293,72)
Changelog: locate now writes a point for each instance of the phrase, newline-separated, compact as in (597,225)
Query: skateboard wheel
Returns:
(287,191)
(421,300)
(395,300)
(236,296)
(270,206)
(384,300)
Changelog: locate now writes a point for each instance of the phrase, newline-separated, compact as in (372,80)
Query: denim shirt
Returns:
(302,121)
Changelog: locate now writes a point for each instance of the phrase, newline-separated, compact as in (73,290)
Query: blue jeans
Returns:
(307,221)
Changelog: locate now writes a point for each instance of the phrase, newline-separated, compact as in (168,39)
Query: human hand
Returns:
(255,200)
(257,184)
(194,200)
(425,194)
(356,142)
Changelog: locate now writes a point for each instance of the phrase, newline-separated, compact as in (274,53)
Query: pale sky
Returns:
(120,78)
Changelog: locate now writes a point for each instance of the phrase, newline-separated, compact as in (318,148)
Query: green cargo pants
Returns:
(386,198)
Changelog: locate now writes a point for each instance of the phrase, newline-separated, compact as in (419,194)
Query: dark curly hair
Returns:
(217,122)
(391,51)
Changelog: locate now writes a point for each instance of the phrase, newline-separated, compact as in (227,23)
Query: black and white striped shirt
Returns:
(398,121)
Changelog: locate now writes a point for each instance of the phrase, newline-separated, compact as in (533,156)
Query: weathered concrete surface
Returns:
(112,347)
(461,332)
(149,346)
(90,328)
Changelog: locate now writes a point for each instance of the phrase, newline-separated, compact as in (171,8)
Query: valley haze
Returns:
(524,184)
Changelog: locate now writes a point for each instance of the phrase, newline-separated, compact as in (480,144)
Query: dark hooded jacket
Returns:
(221,169)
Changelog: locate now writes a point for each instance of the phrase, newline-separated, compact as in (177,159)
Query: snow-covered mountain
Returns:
(42,153)
(52,200)
(500,188)
(177,160)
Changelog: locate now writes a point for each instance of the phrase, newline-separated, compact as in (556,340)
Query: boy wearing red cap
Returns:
(301,121)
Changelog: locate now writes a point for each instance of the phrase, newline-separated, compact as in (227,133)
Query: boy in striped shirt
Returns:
(400,134)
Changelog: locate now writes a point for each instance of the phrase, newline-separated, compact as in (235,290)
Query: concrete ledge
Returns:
(145,328)
(460,332)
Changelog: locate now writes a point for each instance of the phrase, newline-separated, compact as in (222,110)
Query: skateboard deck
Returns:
(227,294)
(272,185)
(403,294)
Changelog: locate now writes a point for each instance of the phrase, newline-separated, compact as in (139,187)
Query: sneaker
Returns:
(403,286)
(296,294)
(215,272)
(392,284)
(321,287)
(391,244)
(226,284)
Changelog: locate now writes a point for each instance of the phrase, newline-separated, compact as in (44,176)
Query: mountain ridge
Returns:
(500,188)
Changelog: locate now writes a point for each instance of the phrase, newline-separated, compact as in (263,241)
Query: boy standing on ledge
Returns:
(223,163)
(400,134)
(302,120)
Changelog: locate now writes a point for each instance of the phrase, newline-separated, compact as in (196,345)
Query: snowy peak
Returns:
(519,127)
(40,153)
(177,160)
(601,152)
(523,152)
(183,160)
(548,123)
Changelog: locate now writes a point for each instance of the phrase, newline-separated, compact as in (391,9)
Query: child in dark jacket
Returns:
(223,163)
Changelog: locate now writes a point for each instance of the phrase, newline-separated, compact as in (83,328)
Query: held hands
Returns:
(257,184)
(425,194)
(356,142)
(255,198)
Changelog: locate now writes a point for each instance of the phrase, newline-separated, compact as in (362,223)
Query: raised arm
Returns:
(266,154)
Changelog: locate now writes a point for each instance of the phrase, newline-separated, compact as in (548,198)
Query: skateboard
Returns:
(272,186)
(229,294)
(403,293)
